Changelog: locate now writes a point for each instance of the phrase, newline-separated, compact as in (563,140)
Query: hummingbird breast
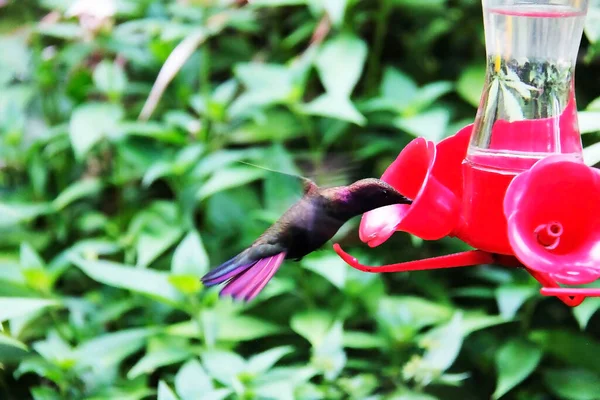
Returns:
(310,229)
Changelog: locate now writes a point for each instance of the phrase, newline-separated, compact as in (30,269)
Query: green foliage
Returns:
(122,128)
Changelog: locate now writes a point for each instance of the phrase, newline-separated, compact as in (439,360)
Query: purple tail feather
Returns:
(244,282)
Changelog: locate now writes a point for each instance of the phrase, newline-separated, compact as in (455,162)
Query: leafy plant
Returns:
(122,128)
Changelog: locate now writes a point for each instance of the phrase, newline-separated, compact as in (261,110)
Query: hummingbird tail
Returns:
(227,270)
(245,281)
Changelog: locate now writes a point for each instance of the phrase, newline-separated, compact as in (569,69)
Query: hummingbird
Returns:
(306,226)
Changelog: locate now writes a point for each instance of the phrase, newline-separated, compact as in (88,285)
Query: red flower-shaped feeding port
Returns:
(553,219)
(431,176)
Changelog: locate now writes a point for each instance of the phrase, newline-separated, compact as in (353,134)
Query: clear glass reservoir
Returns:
(527,109)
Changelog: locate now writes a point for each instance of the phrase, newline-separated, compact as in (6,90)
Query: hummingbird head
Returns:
(366,195)
(376,192)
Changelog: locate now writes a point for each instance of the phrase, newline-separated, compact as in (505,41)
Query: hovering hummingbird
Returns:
(306,226)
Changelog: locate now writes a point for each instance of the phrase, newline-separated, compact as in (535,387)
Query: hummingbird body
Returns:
(303,228)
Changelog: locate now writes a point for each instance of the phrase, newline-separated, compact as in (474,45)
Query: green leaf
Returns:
(312,325)
(224,93)
(363,340)
(11,214)
(492,97)
(474,321)
(515,361)
(165,392)
(226,327)
(29,258)
(329,266)
(470,84)
(154,230)
(237,328)
(511,297)
(158,170)
(44,393)
(360,386)
(397,91)
(11,349)
(340,64)
(570,347)
(192,381)
(54,349)
(110,349)
(276,3)
(512,108)
(159,229)
(427,95)
(146,129)
(420,4)
(328,354)
(40,367)
(591,154)
(186,284)
(264,361)
(91,122)
(281,190)
(266,84)
(274,78)
(573,384)
(280,390)
(156,359)
(217,394)
(110,78)
(152,283)
(415,396)
(443,344)
(586,310)
(222,365)
(429,124)
(190,257)
(228,178)
(594,105)
(16,56)
(129,391)
(76,191)
(336,10)
(335,106)
(218,160)
(406,315)
(398,85)
(11,307)
(592,23)
(274,126)
(61,30)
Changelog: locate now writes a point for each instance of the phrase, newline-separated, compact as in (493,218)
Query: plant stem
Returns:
(381,28)
(311,135)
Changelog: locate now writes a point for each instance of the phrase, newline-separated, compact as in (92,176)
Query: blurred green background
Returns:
(120,186)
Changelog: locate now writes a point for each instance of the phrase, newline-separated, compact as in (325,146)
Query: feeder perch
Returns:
(513,184)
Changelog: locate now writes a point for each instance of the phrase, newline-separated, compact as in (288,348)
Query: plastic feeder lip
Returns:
(434,211)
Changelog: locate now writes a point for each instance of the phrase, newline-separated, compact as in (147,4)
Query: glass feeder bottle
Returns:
(527,109)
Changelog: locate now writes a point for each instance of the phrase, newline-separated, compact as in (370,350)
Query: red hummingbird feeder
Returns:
(513,184)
